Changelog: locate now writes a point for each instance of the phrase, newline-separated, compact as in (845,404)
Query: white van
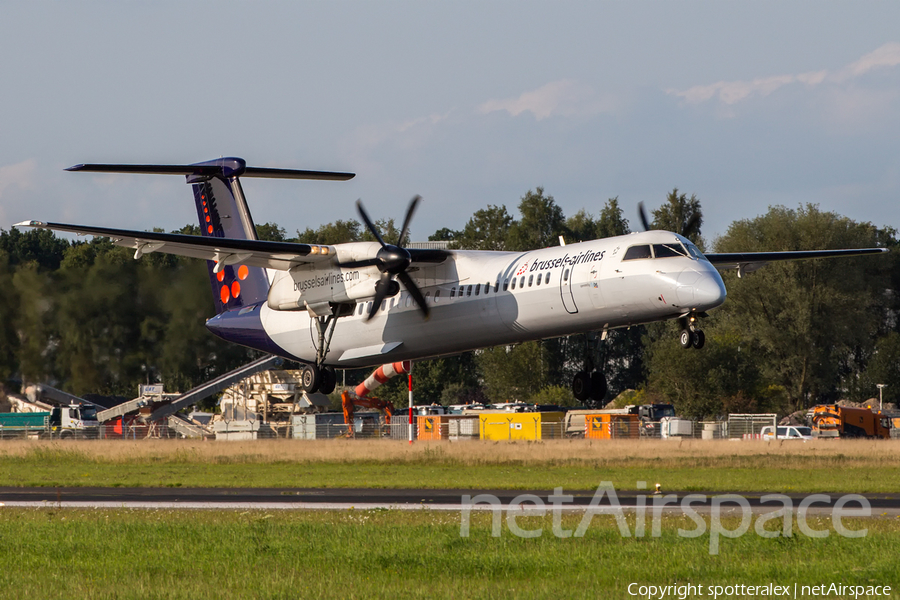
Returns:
(787,432)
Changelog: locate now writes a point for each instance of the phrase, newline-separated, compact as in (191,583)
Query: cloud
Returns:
(732,92)
(565,98)
(18,176)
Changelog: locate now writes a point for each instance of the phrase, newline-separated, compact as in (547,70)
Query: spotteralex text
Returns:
(791,590)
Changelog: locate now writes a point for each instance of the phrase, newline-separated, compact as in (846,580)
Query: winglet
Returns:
(30,224)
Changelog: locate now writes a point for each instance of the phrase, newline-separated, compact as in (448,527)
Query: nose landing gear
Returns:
(691,334)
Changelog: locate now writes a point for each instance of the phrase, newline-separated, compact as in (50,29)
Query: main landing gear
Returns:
(319,377)
(691,335)
(589,386)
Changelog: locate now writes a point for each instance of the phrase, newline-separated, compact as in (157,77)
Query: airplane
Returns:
(363,304)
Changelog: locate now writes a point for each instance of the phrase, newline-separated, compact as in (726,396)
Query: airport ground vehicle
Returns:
(75,420)
(834,420)
(649,416)
(787,432)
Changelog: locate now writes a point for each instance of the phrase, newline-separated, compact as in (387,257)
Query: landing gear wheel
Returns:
(581,385)
(310,378)
(686,338)
(698,339)
(329,380)
(598,388)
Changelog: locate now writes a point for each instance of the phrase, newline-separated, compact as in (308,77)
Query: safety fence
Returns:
(495,426)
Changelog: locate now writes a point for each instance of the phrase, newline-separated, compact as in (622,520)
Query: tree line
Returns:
(87,317)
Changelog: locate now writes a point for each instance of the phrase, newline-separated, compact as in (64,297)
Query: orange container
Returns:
(611,426)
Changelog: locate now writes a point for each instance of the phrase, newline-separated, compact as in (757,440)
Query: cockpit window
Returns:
(695,251)
(668,250)
(637,252)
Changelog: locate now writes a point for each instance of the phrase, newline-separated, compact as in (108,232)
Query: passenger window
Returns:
(391,304)
(540,277)
(427,296)
(497,286)
(383,305)
(368,307)
(547,277)
(359,312)
(637,252)
(566,275)
(530,280)
(408,301)
(453,292)
(487,287)
(506,284)
(514,283)
(468,290)
(437,295)
(522,281)
(477,288)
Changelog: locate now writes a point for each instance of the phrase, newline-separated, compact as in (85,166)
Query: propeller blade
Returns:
(643,215)
(409,214)
(368,222)
(413,290)
(692,222)
(381,292)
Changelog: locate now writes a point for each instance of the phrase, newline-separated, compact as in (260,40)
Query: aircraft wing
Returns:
(746,262)
(255,253)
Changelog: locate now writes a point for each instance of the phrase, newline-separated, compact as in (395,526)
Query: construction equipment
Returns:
(834,420)
(350,401)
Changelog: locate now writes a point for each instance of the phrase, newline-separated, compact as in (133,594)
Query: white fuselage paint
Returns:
(481,299)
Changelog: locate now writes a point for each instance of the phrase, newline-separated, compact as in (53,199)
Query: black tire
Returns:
(581,386)
(329,380)
(698,339)
(686,339)
(598,387)
(310,379)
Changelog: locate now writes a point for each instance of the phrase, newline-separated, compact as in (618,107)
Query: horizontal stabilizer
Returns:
(227,167)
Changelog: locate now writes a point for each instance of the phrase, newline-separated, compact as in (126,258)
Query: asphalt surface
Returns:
(411,499)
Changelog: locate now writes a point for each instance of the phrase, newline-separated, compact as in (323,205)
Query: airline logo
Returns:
(231,285)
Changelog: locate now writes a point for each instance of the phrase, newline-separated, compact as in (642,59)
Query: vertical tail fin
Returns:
(223,213)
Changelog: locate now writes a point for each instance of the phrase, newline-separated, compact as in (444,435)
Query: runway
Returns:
(418,499)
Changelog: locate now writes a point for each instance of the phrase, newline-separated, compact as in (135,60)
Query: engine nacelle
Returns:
(302,287)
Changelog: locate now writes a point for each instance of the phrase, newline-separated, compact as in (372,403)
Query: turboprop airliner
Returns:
(363,304)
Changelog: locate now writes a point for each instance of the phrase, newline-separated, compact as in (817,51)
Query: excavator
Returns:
(358,397)
(350,401)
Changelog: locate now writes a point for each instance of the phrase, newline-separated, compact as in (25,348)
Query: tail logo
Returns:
(231,285)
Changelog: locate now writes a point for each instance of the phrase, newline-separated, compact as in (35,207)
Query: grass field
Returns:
(66,553)
(826,466)
(50,553)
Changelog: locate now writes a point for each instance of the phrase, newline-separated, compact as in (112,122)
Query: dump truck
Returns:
(836,421)
(75,420)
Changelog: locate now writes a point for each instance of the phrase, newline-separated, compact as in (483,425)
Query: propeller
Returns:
(642,213)
(393,260)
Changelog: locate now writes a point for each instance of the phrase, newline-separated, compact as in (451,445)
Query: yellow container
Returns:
(502,425)
(611,426)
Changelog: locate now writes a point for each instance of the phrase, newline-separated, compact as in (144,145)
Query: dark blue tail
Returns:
(223,213)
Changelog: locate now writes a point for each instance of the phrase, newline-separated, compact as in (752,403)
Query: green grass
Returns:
(845,467)
(51,553)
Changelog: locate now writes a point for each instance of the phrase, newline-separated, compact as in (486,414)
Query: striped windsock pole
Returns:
(381,375)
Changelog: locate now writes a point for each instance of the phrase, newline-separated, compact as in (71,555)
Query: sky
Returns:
(469,104)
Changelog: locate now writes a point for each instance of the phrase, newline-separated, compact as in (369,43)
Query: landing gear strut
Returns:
(318,377)
(589,386)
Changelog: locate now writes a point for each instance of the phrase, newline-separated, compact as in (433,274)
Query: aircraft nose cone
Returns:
(709,291)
